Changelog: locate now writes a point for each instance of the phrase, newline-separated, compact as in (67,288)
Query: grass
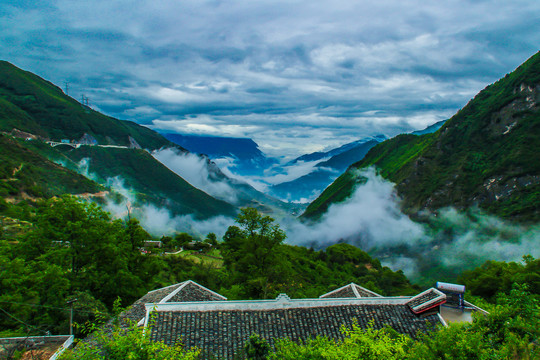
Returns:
(212,258)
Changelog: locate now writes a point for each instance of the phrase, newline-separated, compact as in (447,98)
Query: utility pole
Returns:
(70,302)
(66,84)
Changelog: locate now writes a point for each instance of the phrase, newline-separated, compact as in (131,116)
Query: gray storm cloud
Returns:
(290,75)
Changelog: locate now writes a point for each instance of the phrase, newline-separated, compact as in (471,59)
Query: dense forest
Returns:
(55,250)
(62,248)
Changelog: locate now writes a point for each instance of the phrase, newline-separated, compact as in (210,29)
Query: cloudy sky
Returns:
(296,76)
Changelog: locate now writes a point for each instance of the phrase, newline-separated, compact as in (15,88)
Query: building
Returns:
(456,308)
(195,316)
(35,347)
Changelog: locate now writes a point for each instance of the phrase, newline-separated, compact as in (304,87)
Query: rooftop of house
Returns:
(184,291)
(221,328)
(350,291)
(34,347)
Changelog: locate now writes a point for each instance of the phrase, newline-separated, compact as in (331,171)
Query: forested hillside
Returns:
(485,155)
(51,251)
(31,104)
(25,173)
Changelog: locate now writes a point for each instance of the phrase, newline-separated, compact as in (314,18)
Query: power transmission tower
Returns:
(84,100)
(66,84)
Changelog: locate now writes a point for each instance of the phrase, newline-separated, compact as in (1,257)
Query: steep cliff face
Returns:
(485,155)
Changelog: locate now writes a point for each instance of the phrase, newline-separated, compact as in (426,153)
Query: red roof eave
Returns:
(430,307)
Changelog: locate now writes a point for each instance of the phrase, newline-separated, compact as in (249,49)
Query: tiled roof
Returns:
(137,311)
(426,300)
(35,347)
(350,291)
(191,291)
(221,329)
(184,291)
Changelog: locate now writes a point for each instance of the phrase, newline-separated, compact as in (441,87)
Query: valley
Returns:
(83,195)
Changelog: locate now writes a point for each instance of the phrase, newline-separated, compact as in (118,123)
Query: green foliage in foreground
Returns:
(39,272)
(358,343)
(73,249)
(133,343)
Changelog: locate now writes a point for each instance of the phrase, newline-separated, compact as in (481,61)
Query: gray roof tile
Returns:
(426,300)
(222,333)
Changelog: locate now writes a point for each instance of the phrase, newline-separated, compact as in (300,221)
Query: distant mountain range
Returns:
(245,155)
(331,164)
(486,155)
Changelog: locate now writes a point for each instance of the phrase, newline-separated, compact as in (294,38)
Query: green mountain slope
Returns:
(26,174)
(32,104)
(149,179)
(33,107)
(485,155)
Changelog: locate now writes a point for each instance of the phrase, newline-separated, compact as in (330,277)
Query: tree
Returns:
(252,252)
(211,239)
(182,239)
(256,348)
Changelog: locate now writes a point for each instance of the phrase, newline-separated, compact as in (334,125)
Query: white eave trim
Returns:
(442,320)
(280,303)
(475,307)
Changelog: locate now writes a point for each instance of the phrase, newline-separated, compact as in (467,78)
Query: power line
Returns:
(47,307)
(22,322)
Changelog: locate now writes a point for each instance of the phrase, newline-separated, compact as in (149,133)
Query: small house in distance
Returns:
(153,244)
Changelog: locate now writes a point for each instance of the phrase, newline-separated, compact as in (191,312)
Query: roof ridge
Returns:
(354,287)
(272,304)
(355,290)
(366,290)
(165,287)
(187,282)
